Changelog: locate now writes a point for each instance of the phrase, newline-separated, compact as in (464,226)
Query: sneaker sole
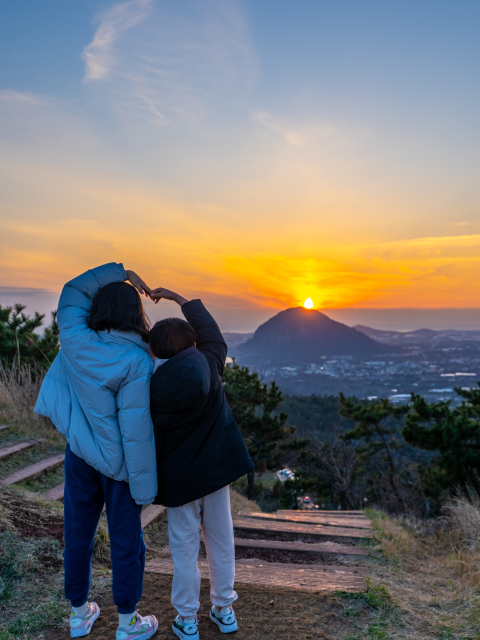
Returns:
(81,633)
(224,628)
(149,634)
(185,636)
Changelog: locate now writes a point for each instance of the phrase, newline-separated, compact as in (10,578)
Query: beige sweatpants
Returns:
(213,514)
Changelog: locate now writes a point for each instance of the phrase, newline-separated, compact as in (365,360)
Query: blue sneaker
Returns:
(224,618)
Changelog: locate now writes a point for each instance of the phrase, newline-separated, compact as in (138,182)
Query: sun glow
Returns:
(308,304)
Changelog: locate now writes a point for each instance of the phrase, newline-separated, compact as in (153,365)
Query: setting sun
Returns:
(308,304)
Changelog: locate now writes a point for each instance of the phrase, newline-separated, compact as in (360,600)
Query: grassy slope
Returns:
(418,587)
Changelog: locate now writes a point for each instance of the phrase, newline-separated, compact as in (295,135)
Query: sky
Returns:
(249,153)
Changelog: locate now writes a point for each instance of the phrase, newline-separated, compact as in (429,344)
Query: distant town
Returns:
(429,363)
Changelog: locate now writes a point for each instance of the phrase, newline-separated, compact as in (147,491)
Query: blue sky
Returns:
(208,142)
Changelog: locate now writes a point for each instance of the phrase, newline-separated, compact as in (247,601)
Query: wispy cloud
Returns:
(100,54)
(173,65)
(294,136)
(10,96)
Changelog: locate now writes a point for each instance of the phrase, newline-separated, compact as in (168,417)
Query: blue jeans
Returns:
(86,491)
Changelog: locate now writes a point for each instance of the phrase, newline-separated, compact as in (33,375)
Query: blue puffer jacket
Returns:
(97,391)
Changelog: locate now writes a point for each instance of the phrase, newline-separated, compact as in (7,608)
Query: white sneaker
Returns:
(186,628)
(140,628)
(80,627)
(224,618)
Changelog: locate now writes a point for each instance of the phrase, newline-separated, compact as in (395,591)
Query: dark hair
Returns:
(169,337)
(118,306)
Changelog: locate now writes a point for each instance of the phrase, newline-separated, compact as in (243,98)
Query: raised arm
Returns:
(77,295)
(209,337)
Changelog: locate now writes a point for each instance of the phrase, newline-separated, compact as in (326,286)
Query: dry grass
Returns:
(240,503)
(424,579)
(434,585)
(19,388)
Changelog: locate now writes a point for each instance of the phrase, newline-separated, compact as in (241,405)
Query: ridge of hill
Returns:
(299,335)
(422,337)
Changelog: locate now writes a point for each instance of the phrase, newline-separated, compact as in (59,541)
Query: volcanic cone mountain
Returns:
(304,335)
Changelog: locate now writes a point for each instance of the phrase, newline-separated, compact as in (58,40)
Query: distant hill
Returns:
(302,335)
(234,339)
(424,338)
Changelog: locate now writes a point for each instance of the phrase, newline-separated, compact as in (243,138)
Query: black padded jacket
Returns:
(198,443)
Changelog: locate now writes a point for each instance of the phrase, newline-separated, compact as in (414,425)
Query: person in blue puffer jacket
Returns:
(97,394)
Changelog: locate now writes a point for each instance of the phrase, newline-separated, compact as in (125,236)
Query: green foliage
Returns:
(377,596)
(377,602)
(254,405)
(20,344)
(291,489)
(10,565)
(455,434)
(376,429)
(315,413)
(42,617)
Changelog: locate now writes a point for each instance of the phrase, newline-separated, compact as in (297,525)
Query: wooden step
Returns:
(304,547)
(332,513)
(317,578)
(3,426)
(253,524)
(15,448)
(151,513)
(34,470)
(338,522)
(54,494)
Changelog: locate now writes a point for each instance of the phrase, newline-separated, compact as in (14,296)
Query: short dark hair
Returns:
(171,336)
(118,306)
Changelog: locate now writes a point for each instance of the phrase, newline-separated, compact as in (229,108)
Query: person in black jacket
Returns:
(200,451)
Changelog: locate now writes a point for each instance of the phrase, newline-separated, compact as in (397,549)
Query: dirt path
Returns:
(262,614)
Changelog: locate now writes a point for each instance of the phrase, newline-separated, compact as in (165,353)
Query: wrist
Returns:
(180,300)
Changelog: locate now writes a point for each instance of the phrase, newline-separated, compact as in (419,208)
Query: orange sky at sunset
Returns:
(186,142)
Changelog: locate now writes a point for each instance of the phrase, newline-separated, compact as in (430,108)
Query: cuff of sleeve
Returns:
(122,271)
(143,502)
(191,306)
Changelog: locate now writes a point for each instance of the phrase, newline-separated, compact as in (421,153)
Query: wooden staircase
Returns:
(303,527)
(333,533)
(150,513)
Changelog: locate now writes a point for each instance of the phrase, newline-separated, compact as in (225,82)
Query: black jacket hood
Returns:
(183,381)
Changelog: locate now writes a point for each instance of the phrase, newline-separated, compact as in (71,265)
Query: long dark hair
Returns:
(118,306)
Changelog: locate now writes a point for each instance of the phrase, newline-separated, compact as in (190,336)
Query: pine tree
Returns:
(254,406)
(19,342)
(454,433)
(377,435)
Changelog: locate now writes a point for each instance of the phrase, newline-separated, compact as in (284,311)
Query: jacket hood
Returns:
(182,381)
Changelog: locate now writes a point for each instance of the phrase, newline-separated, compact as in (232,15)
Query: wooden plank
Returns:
(338,522)
(321,568)
(317,578)
(304,547)
(3,426)
(34,470)
(151,513)
(15,448)
(54,494)
(252,524)
(316,512)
